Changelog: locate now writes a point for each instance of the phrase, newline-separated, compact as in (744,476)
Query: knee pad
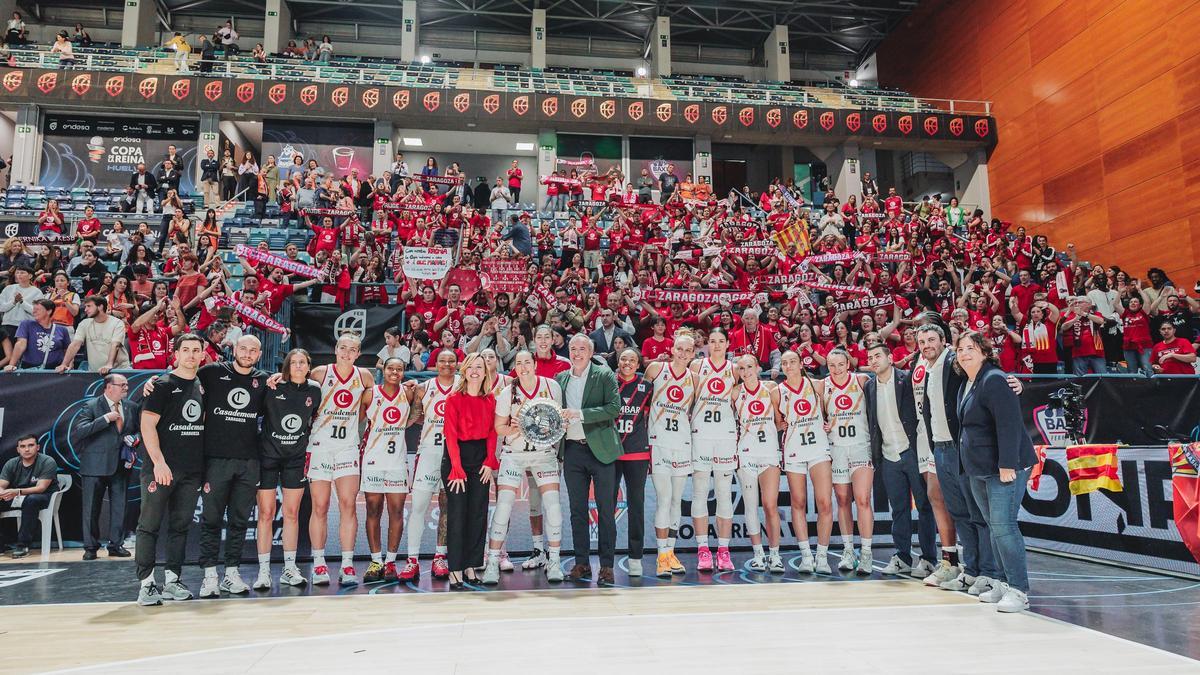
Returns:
(552,505)
(700,482)
(723,486)
(663,491)
(535,498)
(501,514)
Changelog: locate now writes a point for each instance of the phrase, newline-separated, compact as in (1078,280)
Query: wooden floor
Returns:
(874,626)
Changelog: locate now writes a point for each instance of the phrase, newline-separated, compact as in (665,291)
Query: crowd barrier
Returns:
(1138,526)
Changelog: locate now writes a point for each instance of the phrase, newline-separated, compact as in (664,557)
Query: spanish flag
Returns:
(1093,467)
(796,233)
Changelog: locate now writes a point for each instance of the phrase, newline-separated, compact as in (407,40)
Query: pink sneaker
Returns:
(724,563)
(704,559)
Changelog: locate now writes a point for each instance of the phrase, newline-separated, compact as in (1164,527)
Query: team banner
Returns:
(48,240)
(787,279)
(890,257)
(697,297)
(837,289)
(442,180)
(335,213)
(426,262)
(503,275)
(316,327)
(251,314)
(863,304)
(275,260)
(588,203)
(830,258)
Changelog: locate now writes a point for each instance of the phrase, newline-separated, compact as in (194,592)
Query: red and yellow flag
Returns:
(1035,475)
(1093,467)
(796,233)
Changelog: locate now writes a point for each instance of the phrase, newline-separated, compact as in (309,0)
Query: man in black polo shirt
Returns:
(172,470)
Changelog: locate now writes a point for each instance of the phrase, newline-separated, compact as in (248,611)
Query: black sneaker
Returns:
(20,551)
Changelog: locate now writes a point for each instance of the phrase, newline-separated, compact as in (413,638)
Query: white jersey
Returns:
(387,418)
(847,410)
(433,402)
(801,410)
(670,424)
(713,416)
(336,423)
(501,382)
(920,377)
(544,389)
(756,416)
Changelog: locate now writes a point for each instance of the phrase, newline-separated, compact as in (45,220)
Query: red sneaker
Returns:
(440,568)
(411,571)
(389,571)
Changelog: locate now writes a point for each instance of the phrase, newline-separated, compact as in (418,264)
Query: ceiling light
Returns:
(853,83)
(525,146)
(412,142)
(424,59)
(641,71)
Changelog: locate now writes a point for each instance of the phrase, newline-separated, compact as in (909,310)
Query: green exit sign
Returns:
(24,128)
(131,3)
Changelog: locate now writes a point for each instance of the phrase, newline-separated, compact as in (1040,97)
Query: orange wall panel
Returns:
(1097,105)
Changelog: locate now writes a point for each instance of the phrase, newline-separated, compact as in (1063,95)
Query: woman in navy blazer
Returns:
(997,456)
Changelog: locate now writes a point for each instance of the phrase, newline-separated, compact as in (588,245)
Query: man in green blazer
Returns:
(591,406)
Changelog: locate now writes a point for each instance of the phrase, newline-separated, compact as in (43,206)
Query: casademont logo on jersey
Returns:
(843,402)
(802,407)
(674,394)
(1052,425)
(756,407)
(342,398)
(716,386)
(391,415)
(439,408)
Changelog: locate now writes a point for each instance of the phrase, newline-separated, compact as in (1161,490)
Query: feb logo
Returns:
(800,118)
(774,117)
(352,321)
(439,408)
(802,407)
(308,95)
(13,79)
(746,116)
(114,85)
(982,128)
(521,105)
(550,106)
(47,82)
(879,123)
(716,386)
(214,89)
(674,393)
(181,88)
(462,102)
(81,84)
(391,415)
(663,112)
(340,96)
(579,107)
(931,125)
(691,113)
(636,110)
(370,98)
(854,122)
(826,120)
(245,92)
(432,100)
(491,103)
(756,407)
(904,124)
(843,402)
(956,126)
(1052,425)
(400,99)
(608,108)
(277,93)
(148,87)
(342,398)
(720,115)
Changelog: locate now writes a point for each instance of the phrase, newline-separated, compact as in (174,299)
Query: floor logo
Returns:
(14,577)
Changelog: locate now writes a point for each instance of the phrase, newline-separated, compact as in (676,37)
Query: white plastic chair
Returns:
(48,516)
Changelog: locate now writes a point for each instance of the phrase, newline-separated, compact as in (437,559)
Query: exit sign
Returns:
(271,12)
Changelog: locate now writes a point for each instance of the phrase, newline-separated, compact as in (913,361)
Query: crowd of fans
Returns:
(618,245)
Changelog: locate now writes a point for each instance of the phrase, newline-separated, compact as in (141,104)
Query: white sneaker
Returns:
(210,587)
(922,569)
(535,560)
(758,563)
(775,563)
(995,594)
(848,561)
(263,581)
(897,567)
(866,564)
(348,577)
(320,575)
(959,583)
(823,565)
(1013,601)
(149,596)
(554,573)
(175,590)
(232,583)
(491,571)
(505,564)
(944,572)
(807,564)
(293,577)
(982,585)
(635,567)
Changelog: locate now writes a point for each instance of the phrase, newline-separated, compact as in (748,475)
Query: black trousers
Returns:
(582,470)
(29,515)
(466,512)
(634,473)
(175,503)
(94,488)
(230,486)
(228,187)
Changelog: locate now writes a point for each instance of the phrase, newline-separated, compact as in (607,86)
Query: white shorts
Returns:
(925,463)
(331,462)
(800,459)
(754,465)
(427,470)
(717,454)
(669,461)
(847,459)
(385,472)
(540,466)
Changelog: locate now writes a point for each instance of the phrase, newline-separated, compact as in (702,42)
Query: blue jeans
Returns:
(904,486)
(1138,361)
(1000,503)
(977,556)
(1082,365)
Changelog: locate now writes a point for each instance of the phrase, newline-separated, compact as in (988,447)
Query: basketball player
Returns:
(172,470)
(850,447)
(671,445)
(430,404)
(333,459)
(806,456)
(632,425)
(499,381)
(283,443)
(518,457)
(385,467)
(548,364)
(756,404)
(714,449)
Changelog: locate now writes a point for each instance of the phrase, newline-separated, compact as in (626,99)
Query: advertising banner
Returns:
(338,148)
(101,152)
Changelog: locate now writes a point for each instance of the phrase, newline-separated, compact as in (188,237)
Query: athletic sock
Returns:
(758,550)
(148,581)
(950,554)
(289,559)
(539,542)
(209,573)
(774,551)
(822,551)
(866,553)
(662,545)
(554,552)
(701,540)
(376,557)
(319,558)
(171,577)
(805,550)
(264,559)
(347,559)
(722,542)
(671,543)
(390,557)
(866,546)
(440,550)
(848,543)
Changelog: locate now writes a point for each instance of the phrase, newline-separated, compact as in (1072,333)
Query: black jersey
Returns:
(232,405)
(287,418)
(635,414)
(179,403)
